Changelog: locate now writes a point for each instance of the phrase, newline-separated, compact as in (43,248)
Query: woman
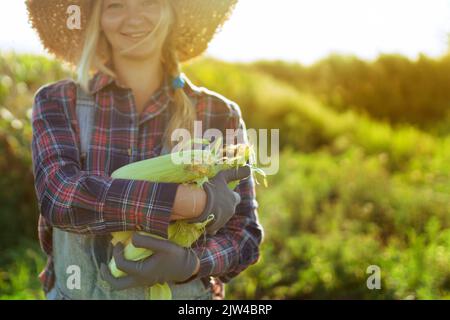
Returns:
(135,48)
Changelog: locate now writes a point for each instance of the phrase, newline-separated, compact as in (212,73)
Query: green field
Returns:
(358,185)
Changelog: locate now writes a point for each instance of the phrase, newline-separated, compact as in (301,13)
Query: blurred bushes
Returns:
(328,218)
(351,191)
(18,216)
(306,124)
(19,267)
(392,88)
(20,77)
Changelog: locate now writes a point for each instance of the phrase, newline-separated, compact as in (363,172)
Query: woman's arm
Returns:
(82,202)
(190,201)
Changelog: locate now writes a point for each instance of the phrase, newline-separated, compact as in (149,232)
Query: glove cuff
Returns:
(192,259)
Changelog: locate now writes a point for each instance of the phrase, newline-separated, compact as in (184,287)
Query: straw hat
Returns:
(198,22)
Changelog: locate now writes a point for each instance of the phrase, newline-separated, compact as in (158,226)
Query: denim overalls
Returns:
(81,255)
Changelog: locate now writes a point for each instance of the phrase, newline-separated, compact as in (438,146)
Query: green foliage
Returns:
(392,88)
(351,191)
(18,216)
(306,124)
(20,77)
(19,267)
(22,74)
(327,218)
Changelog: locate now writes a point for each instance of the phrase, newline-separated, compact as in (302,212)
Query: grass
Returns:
(19,268)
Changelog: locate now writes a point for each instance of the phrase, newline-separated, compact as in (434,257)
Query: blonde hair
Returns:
(97,51)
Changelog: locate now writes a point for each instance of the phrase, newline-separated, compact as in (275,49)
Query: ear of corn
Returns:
(121,236)
(160,292)
(163,168)
(197,167)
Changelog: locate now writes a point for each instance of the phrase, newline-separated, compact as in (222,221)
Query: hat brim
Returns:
(197,24)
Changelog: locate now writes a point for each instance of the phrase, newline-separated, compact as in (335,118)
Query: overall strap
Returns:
(85,109)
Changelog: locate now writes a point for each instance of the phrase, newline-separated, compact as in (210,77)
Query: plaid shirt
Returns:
(83,198)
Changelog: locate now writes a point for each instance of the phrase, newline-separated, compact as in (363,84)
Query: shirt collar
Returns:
(99,81)
(102,80)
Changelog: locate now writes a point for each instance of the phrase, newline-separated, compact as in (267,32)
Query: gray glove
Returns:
(221,201)
(169,262)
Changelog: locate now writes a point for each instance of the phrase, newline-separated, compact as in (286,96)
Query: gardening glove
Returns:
(169,262)
(221,201)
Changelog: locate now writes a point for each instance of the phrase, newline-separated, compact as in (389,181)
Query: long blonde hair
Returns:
(97,51)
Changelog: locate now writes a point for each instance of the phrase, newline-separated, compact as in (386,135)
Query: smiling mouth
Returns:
(137,35)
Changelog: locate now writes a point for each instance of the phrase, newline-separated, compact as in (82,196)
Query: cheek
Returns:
(152,17)
(110,23)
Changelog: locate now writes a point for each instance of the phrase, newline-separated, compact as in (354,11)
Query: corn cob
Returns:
(195,166)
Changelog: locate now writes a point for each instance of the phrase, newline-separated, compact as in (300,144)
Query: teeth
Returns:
(137,35)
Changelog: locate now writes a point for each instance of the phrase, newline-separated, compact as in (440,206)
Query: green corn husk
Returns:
(160,292)
(198,166)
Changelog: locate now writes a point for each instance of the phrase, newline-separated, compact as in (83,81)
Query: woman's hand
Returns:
(221,201)
(169,262)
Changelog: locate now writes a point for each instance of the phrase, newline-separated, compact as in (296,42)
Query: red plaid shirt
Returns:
(90,201)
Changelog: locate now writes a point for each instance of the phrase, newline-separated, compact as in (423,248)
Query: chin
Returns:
(139,53)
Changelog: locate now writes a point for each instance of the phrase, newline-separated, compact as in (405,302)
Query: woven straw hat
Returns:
(198,22)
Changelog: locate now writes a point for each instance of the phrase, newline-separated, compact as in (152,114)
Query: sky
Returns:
(297,30)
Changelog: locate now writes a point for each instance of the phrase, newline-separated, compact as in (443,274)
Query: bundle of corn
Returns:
(185,166)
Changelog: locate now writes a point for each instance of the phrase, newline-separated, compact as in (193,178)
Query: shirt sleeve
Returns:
(77,201)
(236,246)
